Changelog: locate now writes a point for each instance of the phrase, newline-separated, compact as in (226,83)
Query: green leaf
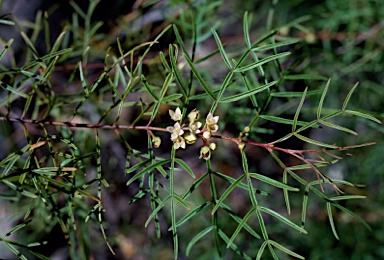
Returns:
(341,128)
(272,182)
(196,238)
(149,89)
(227,192)
(330,217)
(320,106)
(261,62)
(185,166)
(285,121)
(247,94)
(285,250)
(311,141)
(353,215)
(298,110)
(363,114)
(233,246)
(347,197)
(148,169)
(172,97)
(199,77)
(261,250)
(295,94)
(221,49)
(304,76)
(283,219)
(274,45)
(241,225)
(348,97)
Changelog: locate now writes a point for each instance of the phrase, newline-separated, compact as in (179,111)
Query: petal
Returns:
(170,129)
(178,111)
(177,125)
(171,113)
(216,119)
(181,132)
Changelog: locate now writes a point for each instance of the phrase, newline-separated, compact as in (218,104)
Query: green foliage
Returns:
(65,141)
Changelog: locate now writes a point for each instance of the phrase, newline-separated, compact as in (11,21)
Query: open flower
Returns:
(179,142)
(175,131)
(176,115)
(194,127)
(212,123)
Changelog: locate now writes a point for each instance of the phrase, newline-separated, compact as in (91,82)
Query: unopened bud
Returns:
(156,141)
(193,115)
(205,153)
(241,146)
(207,135)
(247,129)
(212,146)
(190,138)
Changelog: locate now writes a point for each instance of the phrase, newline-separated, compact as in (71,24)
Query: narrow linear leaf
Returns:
(274,45)
(348,97)
(241,226)
(365,224)
(363,114)
(308,140)
(261,250)
(154,213)
(298,110)
(285,121)
(272,182)
(337,127)
(261,62)
(304,76)
(172,97)
(330,217)
(185,166)
(196,238)
(199,77)
(221,49)
(320,106)
(227,192)
(347,197)
(148,169)
(149,89)
(295,94)
(233,246)
(285,250)
(247,94)
(282,218)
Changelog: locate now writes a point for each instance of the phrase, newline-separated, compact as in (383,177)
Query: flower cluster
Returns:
(176,130)
(181,135)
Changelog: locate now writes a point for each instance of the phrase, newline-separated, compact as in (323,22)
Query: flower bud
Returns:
(193,115)
(205,153)
(212,146)
(156,141)
(247,129)
(190,138)
(241,146)
(207,135)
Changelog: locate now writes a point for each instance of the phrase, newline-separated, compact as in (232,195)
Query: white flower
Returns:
(175,131)
(212,123)
(194,127)
(176,115)
(179,142)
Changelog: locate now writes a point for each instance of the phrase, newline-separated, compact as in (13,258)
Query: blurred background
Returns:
(341,40)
